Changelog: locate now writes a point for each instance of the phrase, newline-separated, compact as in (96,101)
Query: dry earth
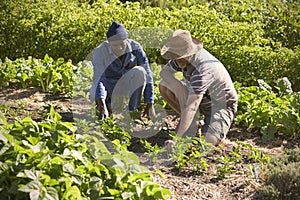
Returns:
(184,184)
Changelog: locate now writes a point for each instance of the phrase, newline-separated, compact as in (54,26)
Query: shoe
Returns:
(212,139)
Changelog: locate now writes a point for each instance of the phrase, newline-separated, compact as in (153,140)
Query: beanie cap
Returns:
(116,32)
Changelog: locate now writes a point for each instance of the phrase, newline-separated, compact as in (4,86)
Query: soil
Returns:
(184,184)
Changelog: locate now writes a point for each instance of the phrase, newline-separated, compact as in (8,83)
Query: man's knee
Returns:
(165,91)
(162,89)
(166,73)
(138,71)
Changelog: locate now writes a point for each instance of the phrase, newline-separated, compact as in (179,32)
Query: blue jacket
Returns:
(108,69)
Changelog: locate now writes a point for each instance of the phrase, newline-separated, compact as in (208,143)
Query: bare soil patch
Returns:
(184,184)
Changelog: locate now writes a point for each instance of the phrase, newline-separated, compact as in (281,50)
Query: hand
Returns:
(169,145)
(102,111)
(149,110)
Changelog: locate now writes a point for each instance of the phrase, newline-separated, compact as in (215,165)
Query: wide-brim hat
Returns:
(181,45)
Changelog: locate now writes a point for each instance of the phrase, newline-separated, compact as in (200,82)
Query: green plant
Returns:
(279,17)
(269,112)
(282,177)
(113,132)
(154,152)
(83,77)
(260,35)
(191,152)
(227,166)
(46,74)
(49,160)
(252,155)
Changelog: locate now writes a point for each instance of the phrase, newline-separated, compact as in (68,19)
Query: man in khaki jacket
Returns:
(207,88)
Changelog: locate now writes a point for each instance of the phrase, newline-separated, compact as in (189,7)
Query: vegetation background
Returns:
(45,47)
(256,39)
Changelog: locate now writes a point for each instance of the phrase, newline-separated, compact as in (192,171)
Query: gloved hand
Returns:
(102,111)
(149,110)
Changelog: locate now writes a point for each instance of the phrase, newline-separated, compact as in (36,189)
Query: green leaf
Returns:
(31,186)
(5,148)
(66,126)
(68,168)
(32,174)
(54,115)
(160,173)
(114,192)
(51,194)
(35,195)
(2,137)
(78,155)
(56,161)
(119,163)
(127,195)
(72,193)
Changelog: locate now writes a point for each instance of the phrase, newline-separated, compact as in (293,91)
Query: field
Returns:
(241,183)
(53,147)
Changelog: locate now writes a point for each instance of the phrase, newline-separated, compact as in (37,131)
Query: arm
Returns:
(142,60)
(188,114)
(98,90)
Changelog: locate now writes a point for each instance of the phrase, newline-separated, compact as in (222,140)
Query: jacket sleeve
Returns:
(97,89)
(142,60)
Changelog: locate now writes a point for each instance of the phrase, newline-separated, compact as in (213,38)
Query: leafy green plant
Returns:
(154,152)
(45,74)
(279,17)
(198,156)
(8,72)
(268,112)
(252,153)
(83,77)
(51,160)
(55,76)
(226,167)
(113,132)
(15,111)
(191,152)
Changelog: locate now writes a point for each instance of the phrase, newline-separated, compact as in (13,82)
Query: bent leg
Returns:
(174,91)
(130,86)
(217,124)
(170,98)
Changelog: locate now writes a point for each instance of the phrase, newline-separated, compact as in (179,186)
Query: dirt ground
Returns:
(242,184)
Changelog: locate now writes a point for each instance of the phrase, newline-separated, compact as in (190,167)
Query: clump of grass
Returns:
(283,177)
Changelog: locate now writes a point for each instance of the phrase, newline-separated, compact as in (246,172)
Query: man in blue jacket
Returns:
(121,69)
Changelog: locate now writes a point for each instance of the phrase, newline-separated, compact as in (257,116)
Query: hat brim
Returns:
(167,53)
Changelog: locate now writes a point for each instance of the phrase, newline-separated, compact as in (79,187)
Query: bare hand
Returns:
(169,145)
(149,110)
(102,109)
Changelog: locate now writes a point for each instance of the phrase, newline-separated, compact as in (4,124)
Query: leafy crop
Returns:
(271,113)
(49,160)
(280,18)
(46,74)
(198,156)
